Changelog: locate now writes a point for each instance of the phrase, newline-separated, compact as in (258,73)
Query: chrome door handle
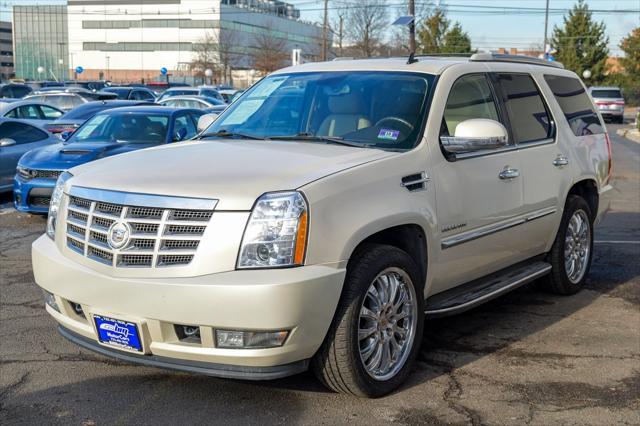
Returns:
(560,161)
(509,173)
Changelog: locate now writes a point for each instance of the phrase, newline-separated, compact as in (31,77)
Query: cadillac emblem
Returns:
(118,235)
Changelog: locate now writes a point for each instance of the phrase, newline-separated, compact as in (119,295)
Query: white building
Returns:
(130,40)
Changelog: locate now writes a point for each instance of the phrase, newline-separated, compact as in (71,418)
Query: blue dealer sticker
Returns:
(388,134)
(122,334)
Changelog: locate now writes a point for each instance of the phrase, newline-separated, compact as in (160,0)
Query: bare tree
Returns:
(365,25)
(216,51)
(271,51)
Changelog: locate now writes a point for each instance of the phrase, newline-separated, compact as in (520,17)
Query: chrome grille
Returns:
(160,237)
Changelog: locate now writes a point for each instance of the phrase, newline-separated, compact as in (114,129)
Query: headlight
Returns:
(276,234)
(54,205)
(24,173)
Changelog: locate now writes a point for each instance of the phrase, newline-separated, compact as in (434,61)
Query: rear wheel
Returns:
(571,254)
(376,332)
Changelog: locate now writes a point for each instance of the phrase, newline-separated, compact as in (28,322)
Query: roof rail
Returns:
(520,59)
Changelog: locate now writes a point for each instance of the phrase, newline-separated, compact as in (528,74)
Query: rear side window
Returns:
(22,132)
(575,104)
(528,115)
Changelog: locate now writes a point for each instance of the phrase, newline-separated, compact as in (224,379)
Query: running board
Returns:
(470,295)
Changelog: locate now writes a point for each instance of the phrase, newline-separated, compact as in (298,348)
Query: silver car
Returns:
(37,113)
(609,101)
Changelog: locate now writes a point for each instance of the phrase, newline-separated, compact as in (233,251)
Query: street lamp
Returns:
(108,68)
(586,74)
(208,73)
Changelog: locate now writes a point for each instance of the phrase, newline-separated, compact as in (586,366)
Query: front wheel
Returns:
(571,254)
(376,332)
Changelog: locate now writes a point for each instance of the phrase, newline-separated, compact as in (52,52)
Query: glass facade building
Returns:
(40,35)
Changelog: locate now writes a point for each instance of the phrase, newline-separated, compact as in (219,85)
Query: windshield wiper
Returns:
(228,134)
(308,137)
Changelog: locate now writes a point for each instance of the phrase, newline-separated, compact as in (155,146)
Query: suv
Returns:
(609,101)
(325,214)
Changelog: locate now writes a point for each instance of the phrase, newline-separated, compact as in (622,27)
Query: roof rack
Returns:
(520,59)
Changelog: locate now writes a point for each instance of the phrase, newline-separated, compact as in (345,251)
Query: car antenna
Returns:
(412,58)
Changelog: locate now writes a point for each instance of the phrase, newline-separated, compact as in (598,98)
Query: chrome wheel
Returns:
(387,324)
(577,246)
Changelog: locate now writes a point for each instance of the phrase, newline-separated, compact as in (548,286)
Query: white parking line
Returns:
(616,242)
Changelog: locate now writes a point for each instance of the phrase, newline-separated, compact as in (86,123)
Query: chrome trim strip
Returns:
(415,182)
(143,200)
(485,298)
(478,233)
(474,234)
(541,213)
(524,145)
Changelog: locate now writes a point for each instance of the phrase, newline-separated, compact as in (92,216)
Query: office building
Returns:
(6,51)
(41,43)
(132,40)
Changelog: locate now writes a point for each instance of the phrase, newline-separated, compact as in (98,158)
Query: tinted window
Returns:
(85,111)
(120,93)
(48,112)
(608,93)
(184,126)
(575,104)
(470,97)
(19,91)
(142,95)
(526,110)
(29,112)
(21,132)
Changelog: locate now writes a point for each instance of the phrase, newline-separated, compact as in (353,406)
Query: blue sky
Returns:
(489,30)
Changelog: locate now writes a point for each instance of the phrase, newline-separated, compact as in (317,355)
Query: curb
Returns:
(630,134)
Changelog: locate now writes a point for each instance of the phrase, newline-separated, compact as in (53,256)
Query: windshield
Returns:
(377,109)
(608,93)
(127,127)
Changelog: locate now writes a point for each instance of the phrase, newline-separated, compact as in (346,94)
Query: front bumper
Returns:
(302,300)
(32,196)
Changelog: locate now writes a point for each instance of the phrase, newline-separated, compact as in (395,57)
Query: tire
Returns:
(339,363)
(563,279)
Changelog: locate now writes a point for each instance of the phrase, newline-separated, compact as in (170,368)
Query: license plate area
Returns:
(117,333)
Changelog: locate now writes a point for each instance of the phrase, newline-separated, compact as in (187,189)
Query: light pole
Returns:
(586,74)
(108,69)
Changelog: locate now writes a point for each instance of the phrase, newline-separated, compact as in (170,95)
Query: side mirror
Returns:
(477,134)
(65,135)
(6,142)
(205,121)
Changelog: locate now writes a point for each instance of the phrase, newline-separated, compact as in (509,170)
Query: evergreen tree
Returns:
(631,61)
(456,40)
(432,32)
(436,36)
(581,43)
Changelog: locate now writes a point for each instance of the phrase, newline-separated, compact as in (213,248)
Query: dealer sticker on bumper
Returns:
(118,333)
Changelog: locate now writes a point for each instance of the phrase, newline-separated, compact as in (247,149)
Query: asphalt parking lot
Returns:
(526,358)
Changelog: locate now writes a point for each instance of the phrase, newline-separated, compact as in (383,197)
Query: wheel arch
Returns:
(588,190)
(409,237)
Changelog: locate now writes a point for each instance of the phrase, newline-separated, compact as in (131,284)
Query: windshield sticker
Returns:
(388,134)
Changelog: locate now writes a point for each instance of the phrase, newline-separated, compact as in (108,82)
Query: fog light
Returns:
(18,198)
(188,333)
(250,339)
(50,300)
(77,308)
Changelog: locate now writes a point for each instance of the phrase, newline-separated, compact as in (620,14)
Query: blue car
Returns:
(110,132)
(16,138)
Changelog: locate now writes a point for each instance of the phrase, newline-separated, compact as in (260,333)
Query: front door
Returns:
(479,197)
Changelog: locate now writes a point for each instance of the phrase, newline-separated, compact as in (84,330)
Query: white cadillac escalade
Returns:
(326,214)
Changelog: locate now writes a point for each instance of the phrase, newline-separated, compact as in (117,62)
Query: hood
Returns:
(232,171)
(63,156)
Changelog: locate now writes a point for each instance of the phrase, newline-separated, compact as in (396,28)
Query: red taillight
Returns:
(606,136)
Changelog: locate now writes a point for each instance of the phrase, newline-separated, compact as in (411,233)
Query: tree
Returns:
(456,40)
(365,25)
(436,36)
(581,43)
(215,51)
(631,61)
(271,51)
(432,32)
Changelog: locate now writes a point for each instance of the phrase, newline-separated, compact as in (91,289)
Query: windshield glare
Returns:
(379,109)
(606,93)
(130,128)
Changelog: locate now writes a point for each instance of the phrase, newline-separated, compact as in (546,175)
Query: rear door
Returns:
(478,207)
(544,172)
